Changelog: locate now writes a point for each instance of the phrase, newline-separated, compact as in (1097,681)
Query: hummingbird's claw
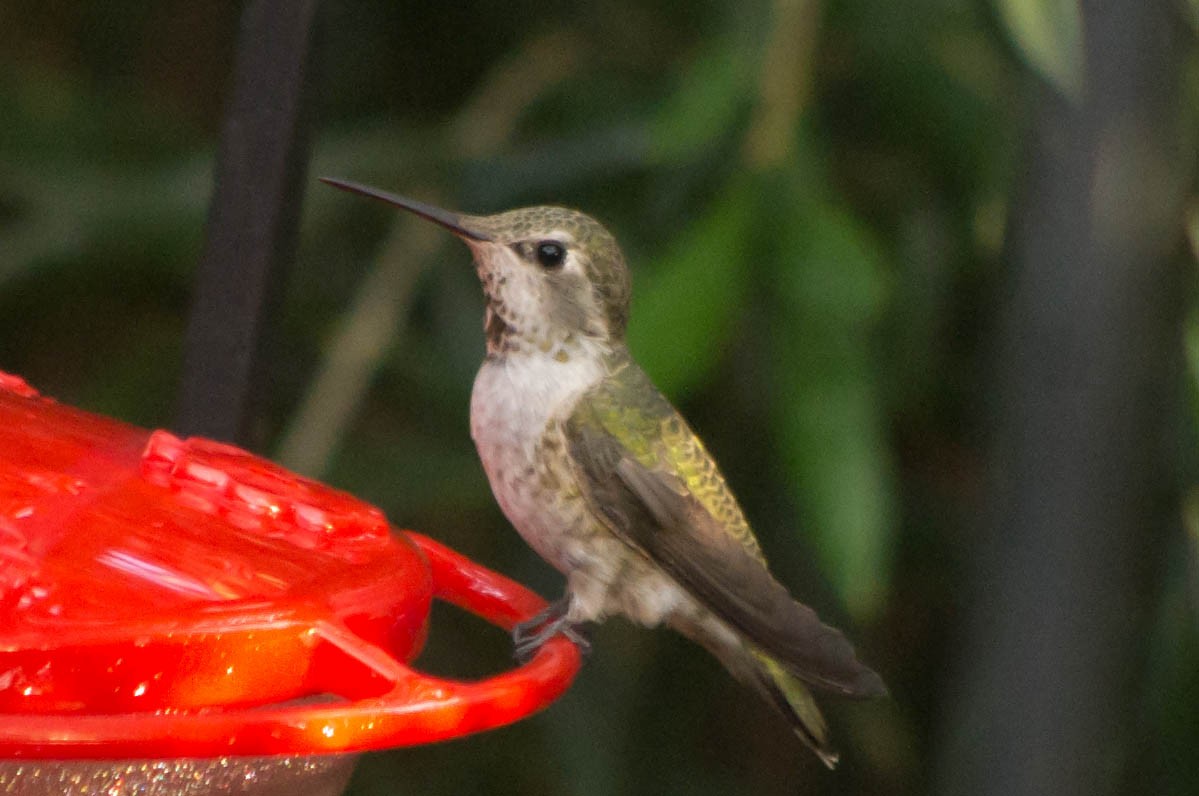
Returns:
(529,636)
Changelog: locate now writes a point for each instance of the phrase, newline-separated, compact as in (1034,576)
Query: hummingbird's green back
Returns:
(628,406)
(651,481)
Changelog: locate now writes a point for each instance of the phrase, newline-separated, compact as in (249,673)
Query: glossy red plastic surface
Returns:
(182,598)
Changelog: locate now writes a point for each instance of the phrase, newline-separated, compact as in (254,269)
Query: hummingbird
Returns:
(606,481)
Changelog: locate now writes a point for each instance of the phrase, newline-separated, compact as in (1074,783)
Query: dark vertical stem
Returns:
(1083,481)
(261,165)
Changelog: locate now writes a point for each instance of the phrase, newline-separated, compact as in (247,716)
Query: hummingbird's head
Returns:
(553,277)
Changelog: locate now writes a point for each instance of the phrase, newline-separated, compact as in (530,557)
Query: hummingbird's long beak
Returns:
(452,221)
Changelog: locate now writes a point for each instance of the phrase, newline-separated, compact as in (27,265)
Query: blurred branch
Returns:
(372,326)
(784,82)
(488,120)
(1083,490)
(366,333)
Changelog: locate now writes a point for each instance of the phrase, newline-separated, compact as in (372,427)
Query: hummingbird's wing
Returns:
(648,476)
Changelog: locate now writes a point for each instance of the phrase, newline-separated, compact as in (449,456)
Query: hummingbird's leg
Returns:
(530,635)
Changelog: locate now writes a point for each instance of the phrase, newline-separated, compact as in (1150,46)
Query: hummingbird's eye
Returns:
(551,254)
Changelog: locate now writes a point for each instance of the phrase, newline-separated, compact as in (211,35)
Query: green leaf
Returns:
(827,408)
(683,304)
(712,94)
(1049,33)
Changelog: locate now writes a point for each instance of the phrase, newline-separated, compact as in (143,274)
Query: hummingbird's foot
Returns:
(529,636)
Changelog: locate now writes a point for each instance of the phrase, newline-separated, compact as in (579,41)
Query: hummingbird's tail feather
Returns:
(790,696)
(779,687)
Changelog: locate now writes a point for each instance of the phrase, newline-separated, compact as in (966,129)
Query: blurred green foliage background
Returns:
(813,197)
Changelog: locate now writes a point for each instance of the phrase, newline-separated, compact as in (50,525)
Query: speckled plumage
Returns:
(606,481)
(627,405)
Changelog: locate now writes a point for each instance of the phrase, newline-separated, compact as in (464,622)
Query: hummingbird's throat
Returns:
(499,332)
(539,341)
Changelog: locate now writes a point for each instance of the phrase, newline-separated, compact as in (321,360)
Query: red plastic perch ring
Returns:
(182,598)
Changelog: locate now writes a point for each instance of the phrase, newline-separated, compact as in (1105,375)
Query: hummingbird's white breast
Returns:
(518,406)
(514,400)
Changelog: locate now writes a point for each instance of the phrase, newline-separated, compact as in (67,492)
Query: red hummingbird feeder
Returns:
(180,616)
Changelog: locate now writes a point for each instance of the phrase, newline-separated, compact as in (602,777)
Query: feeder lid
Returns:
(162,597)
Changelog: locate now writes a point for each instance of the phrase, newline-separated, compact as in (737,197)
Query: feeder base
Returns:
(324,775)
